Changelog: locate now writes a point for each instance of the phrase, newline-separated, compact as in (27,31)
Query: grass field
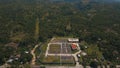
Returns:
(55,48)
(59,60)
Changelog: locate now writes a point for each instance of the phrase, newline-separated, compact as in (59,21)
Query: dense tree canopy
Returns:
(93,22)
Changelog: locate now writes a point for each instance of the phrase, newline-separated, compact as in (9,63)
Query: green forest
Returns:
(28,22)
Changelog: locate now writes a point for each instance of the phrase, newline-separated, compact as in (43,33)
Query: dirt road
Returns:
(33,54)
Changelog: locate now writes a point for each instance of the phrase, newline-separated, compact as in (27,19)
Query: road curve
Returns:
(33,54)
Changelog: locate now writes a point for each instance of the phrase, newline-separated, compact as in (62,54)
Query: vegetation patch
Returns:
(55,48)
(59,60)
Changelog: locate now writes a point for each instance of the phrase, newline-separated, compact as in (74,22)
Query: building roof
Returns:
(83,53)
(73,39)
(74,46)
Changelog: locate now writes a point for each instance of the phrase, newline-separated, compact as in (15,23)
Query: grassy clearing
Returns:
(57,60)
(55,48)
(52,59)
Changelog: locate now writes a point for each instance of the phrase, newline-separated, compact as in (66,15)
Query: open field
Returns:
(59,49)
(59,40)
(54,48)
(59,60)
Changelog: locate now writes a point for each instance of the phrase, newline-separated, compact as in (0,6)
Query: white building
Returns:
(73,40)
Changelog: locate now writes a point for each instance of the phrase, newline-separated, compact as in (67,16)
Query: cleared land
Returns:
(59,60)
(59,52)
(54,49)
(59,49)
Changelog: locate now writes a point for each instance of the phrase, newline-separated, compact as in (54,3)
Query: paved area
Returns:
(60,54)
(76,58)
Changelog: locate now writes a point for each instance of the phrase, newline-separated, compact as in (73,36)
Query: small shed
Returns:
(73,40)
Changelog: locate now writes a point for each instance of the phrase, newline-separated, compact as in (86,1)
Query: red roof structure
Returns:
(74,46)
